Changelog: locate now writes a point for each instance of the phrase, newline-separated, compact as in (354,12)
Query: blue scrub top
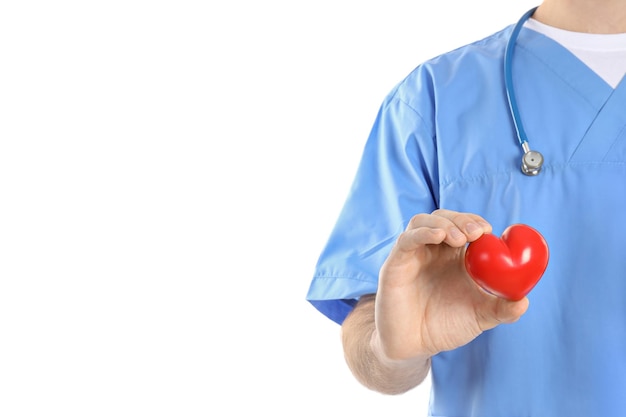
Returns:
(444,138)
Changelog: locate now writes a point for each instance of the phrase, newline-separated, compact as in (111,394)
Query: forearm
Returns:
(366,359)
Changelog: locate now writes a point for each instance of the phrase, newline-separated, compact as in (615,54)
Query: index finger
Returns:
(470,224)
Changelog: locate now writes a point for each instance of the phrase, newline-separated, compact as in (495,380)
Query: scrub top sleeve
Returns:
(395,180)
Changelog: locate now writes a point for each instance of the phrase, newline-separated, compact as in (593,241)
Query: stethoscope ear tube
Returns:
(532,161)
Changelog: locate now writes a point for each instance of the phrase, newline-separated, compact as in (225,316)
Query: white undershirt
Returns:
(604,54)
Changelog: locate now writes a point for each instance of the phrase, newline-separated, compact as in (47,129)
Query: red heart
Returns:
(510,266)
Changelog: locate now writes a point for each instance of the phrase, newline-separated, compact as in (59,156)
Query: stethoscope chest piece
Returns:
(532,161)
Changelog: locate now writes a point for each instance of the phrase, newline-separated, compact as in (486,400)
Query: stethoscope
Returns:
(532,161)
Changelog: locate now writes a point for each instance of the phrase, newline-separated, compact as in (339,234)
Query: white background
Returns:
(169,172)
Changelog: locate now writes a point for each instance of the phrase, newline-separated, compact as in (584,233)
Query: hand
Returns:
(426,302)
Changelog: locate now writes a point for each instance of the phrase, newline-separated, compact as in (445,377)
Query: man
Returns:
(440,169)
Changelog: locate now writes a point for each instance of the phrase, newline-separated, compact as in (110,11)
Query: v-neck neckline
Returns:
(567,66)
(608,125)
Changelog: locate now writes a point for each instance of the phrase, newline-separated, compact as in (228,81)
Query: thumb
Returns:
(502,311)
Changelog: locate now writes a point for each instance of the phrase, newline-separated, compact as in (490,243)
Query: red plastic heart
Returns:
(509,266)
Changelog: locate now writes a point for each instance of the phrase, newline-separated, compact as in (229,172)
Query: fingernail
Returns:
(484,225)
(472,227)
(456,233)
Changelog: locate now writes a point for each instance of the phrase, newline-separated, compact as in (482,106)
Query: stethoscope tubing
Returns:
(532,161)
(508,78)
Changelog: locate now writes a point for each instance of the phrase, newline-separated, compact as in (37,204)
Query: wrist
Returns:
(397,374)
